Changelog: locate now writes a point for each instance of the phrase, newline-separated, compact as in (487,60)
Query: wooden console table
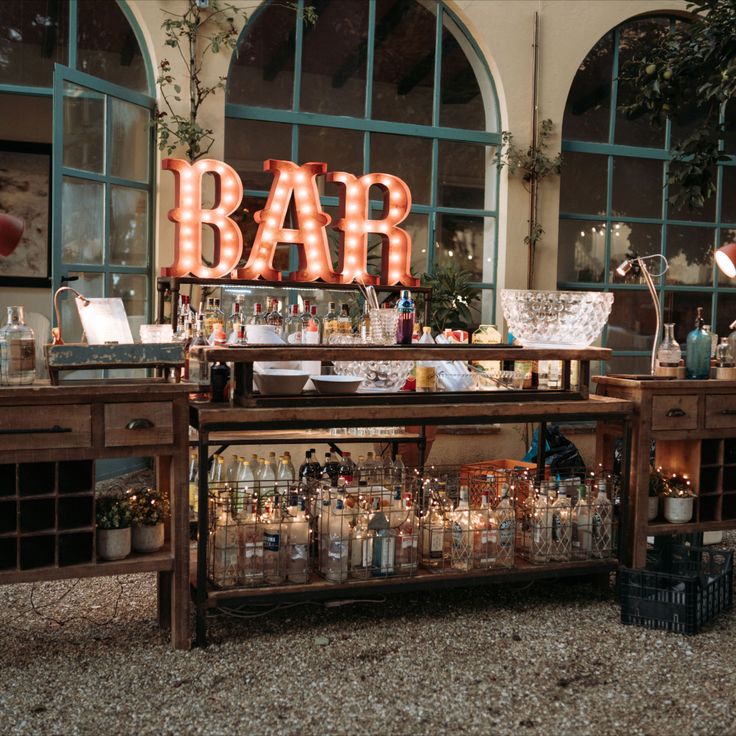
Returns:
(50,438)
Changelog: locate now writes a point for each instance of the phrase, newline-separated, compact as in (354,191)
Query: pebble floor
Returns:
(86,657)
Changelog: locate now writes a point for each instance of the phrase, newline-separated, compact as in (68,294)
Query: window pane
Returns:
(730,122)
(249,227)
(726,312)
(130,144)
(33,37)
(403,75)
(637,131)
(249,142)
(89,284)
(728,205)
(461,103)
(26,107)
(132,289)
(84,128)
(583,183)
(588,107)
(82,236)
(107,47)
(408,158)
(707,213)
(466,242)
(467,176)
(690,254)
(632,322)
(582,252)
(680,307)
(334,83)
(129,227)
(341,150)
(632,238)
(262,69)
(417,227)
(638,187)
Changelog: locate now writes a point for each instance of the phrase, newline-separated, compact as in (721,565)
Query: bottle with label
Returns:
(361,545)
(601,523)
(461,554)
(287,457)
(364,326)
(329,324)
(338,543)
(713,340)
(208,315)
(266,477)
(331,468)
(285,474)
(274,318)
(384,542)
(275,543)
(224,549)
(315,320)
(540,526)
(247,484)
(346,472)
(485,534)
(298,570)
(697,352)
(407,540)
(668,353)
(505,520)
(17,350)
(398,471)
(310,333)
(257,318)
(199,367)
(436,537)
(405,324)
(582,526)
(293,326)
(250,544)
(560,547)
(309,471)
(426,370)
(487,335)
(344,323)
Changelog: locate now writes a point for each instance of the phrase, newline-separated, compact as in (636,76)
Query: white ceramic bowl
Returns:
(282,381)
(561,319)
(337,384)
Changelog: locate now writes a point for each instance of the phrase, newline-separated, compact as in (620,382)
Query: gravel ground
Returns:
(550,658)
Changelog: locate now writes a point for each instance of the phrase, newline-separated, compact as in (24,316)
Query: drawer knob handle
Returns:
(728,412)
(139,424)
(675,413)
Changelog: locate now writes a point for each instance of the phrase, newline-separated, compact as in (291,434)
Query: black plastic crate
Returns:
(684,600)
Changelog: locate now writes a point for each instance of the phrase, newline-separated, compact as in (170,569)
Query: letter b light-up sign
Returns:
(297,183)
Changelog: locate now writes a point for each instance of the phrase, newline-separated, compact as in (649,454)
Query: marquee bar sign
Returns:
(310,236)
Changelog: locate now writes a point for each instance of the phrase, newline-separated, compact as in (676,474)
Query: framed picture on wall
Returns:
(25,191)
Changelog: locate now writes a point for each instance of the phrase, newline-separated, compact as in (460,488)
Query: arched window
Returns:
(614,200)
(393,86)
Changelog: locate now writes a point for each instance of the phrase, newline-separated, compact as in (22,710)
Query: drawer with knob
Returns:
(675,412)
(720,411)
(139,423)
(45,427)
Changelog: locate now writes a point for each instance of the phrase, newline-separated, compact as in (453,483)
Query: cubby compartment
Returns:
(7,480)
(37,551)
(728,510)
(710,480)
(708,508)
(729,478)
(36,479)
(8,517)
(76,476)
(8,553)
(37,515)
(729,451)
(76,512)
(76,548)
(710,452)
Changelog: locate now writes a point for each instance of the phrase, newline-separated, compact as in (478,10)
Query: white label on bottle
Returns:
(298,551)
(485,537)
(271,542)
(436,542)
(254,549)
(506,533)
(337,549)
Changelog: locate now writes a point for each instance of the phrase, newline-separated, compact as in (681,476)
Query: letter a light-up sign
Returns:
(189,217)
(310,236)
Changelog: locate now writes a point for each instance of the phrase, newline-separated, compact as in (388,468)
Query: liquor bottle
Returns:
(582,530)
(331,468)
(231,469)
(250,544)
(399,471)
(435,535)
(601,523)
(384,542)
(247,480)
(697,352)
(274,318)
(224,550)
(560,548)
(364,326)
(344,323)
(219,315)
(266,477)
(361,545)
(310,333)
(287,455)
(208,315)
(505,521)
(314,319)
(485,534)
(235,321)
(273,463)
(275,543)
(723,354)
(329,324)
(257,317)
(405,325)
(309,471)
(540,531)
(285,475)
(713,340)
(336,563)
(668,353)
(462,543)
(407,541)
(306,313)
(298,571)
(17,350)
(293,326)
(199,367)
(346,472)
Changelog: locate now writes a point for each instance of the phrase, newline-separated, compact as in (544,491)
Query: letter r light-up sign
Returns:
(297,183)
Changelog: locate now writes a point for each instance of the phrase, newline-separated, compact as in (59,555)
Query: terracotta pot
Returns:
(678,510)
(653,508)
(113,544)
(148,538)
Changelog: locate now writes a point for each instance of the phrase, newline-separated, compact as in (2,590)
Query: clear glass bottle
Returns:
(344,323)
(257,317)
(384,542)
(298,571)
(329,323)
(17,350)
(582,526)
(315,320)
(601,523)
(346,472)
(338,544)
(560,547)
(293,326)
(723,354)
(274,318)
(462,541)
(505,517)
(224,549)
(485,534)
(697,353)
(713,340)
(668,353)
(407,541)
(361,544)
(199,367)
(250,544)
(275,543)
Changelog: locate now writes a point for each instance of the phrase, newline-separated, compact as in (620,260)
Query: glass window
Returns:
(638,187)
(583,183)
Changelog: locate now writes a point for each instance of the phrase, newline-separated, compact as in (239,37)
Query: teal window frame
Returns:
(612,151)
(368,125)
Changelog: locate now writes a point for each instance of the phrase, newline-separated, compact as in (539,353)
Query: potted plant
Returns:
(678,499)
(656,487)
(113,518)
(149,509)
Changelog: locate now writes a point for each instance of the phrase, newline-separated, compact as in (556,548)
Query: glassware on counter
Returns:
(668,354)
(697,354)
(17,350)
(383,326)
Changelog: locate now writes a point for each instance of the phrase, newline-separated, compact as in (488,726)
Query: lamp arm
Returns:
(657,312)
(56,331)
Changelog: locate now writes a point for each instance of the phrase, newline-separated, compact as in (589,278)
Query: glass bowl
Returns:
(381,375)
(560,319)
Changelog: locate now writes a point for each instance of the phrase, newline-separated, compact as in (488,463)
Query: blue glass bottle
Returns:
(697,354)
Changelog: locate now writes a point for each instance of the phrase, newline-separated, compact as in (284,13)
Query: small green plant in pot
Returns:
(149,509)
(656,487)
(678,498)
(113,519)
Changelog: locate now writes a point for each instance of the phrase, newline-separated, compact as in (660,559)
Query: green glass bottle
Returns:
(697,354)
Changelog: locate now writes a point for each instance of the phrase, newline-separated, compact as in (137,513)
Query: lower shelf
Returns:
(665,527)
(162,560)
(320,589)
